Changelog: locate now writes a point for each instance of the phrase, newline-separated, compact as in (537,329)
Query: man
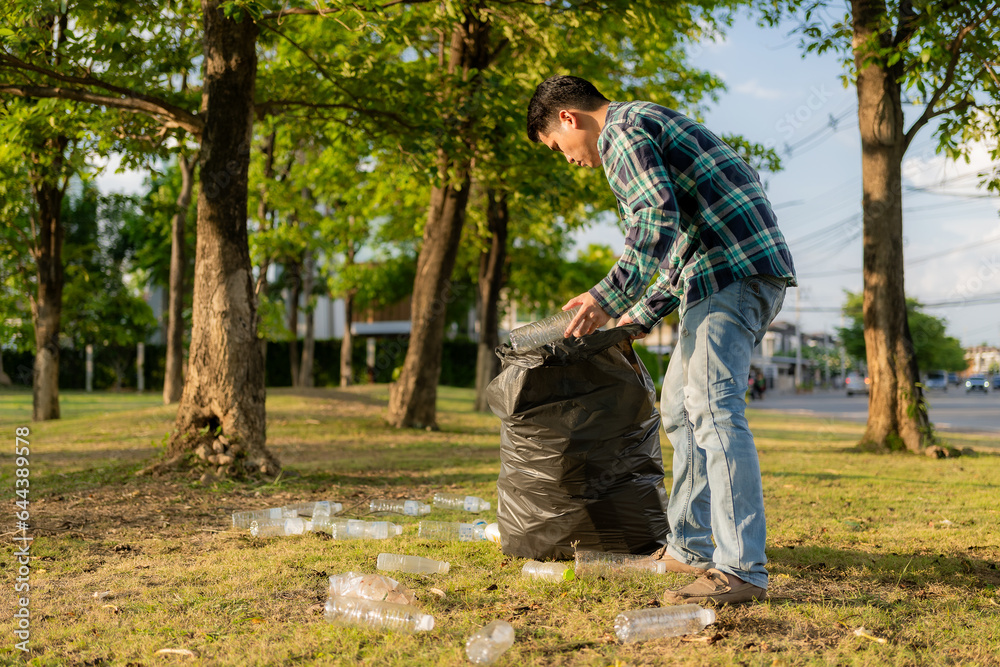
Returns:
(698,213)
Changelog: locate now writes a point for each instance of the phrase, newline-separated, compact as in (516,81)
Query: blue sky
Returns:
(777,97)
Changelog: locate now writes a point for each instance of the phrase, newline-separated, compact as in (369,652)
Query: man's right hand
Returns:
(625,319)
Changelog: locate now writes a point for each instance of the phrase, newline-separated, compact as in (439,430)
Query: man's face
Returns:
(575,136)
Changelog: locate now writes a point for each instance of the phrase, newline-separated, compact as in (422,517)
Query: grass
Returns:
(906,547)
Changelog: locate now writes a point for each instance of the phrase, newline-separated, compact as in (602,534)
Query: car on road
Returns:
(936,380)
(977,383)
(855,383)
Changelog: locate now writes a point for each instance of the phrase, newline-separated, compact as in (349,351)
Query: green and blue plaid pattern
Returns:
(693,209)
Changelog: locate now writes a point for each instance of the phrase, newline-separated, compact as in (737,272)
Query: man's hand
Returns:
(588,319)
(625,319)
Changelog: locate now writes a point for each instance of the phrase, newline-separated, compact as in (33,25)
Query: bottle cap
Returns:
(661,567)
(707,616)
(569,574)
(425,622)
(485,506)
(492,533)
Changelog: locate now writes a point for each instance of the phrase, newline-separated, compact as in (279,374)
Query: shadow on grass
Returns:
(863,576)
(829,476)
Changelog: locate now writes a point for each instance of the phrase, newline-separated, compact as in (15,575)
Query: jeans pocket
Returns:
(760,300)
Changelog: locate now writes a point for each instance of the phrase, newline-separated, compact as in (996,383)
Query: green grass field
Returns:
(906,547)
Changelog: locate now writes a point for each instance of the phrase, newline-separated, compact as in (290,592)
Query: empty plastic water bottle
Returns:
(279,527)
(548,571)
(453,531)
(644,624)
(490,642)
(355,529)
(317,508)
(377,614)
(593,563)
(455,501)
(243,518)
(407,507)
(534,335)
(370,587)
(411,564)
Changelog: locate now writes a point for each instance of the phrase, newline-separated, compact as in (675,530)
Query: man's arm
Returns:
(641,181)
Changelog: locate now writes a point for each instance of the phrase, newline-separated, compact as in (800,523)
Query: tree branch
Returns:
(323,12)
(173,116)
(169,109)
(949,78)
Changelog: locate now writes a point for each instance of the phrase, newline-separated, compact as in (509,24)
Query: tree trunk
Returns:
(413,398)
(347,343)
(4,378)
(491,265)
(897,415)
(46,303)
(293,272)
(173,378)
(225,379)
(309,341)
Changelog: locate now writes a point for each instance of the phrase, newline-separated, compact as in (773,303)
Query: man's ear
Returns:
(569,119)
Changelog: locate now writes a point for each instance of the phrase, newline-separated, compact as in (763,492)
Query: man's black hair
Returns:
(556,93)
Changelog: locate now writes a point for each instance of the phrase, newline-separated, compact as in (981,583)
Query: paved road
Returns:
(953,410)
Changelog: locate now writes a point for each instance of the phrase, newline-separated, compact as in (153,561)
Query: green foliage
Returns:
(101,303)
(933,347)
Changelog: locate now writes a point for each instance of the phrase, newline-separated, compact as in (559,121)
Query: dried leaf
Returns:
(114,609)
(178,651)
(438,592)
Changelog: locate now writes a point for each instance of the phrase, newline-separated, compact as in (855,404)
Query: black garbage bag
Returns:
(579,449)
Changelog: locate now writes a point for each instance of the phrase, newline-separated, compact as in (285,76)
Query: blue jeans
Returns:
(717,490)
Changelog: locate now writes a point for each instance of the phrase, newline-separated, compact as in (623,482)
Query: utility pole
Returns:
(798,343)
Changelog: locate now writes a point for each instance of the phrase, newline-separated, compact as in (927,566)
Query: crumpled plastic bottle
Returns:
(371,587)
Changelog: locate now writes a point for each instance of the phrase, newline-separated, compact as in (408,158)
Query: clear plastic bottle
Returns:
(377,614)
(411,564)
(407,507)
(243,518)
(453,531)
(534,335)
(370,587)
(594,563)
(279,527)
(316,509)
(355,529)
(455,501)
(490,642)
(548,571)
(644,624)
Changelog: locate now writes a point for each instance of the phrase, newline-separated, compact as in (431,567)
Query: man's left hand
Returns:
(589,318)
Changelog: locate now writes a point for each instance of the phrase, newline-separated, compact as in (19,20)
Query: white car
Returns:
(855,383)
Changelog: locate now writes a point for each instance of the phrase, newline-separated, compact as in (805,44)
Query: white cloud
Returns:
(754,88)
(929,170)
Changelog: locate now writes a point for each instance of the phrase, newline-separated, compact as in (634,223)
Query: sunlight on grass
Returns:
(905,546)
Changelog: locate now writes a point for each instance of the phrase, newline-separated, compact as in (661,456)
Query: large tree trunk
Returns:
(225,379)
(46,303)
(309,341)
(413,398)
(897,417)
(173,378)
(293,274)
(491,265)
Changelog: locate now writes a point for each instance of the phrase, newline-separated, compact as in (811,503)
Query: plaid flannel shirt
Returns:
(693,209)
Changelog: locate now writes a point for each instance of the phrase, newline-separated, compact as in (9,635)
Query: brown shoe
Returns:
(717,587)
(662,560)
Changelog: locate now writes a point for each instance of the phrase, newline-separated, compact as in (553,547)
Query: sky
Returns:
(777,97)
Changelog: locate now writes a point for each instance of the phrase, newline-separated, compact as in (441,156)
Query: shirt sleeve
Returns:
(640,181)
(659,303)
